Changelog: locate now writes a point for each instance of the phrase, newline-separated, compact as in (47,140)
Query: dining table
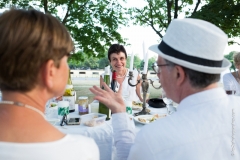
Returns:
(102,134)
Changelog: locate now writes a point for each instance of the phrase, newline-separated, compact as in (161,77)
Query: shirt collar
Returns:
(201,97)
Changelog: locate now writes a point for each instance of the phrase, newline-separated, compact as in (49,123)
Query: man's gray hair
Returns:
(198,79)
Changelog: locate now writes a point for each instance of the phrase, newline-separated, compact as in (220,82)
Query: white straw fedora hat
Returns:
(194,44)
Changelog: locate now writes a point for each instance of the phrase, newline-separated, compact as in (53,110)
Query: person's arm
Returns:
(124,134)
(228,82)
(138,92)
(123,128)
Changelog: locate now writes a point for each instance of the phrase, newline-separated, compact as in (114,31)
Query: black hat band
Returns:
(167,50)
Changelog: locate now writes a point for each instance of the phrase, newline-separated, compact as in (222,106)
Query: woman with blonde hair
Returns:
(231,81)
(34,48)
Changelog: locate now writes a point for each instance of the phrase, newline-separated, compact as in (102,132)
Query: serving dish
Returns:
(93,119)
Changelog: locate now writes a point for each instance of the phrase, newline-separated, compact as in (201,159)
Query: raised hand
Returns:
(112,100)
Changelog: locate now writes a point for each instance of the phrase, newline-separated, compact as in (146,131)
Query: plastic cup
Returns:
(93,107)
(63,108)
(128,107)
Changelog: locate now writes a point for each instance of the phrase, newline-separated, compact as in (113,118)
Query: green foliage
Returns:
(159,13)
(230,58)
(137,62)
(150,62)
(76,58)
(224,14)
(81,60)
(93,24)
(103,62)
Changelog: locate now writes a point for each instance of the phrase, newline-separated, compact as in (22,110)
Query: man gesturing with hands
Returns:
(207,122)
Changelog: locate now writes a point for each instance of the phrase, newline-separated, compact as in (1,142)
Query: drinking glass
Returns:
(230,90)
(168,102)
(165,98)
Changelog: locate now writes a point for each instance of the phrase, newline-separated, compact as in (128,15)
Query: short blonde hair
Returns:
(28,39)
(236,58)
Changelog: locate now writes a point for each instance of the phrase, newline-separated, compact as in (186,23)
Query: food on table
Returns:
(153,118)
(94,122)
(142,120)
(148,110)
(69,92)
(137,104)
(53,105)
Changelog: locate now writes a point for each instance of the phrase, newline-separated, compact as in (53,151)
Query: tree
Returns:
(137,62)
(150,62)
(91,62)
(230,58)
(76,59)
(159,13)
(81,60)
(103,62)
(224,14)
(93,24)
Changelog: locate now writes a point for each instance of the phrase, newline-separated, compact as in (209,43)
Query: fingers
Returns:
(96,90)
(116,104)
(99,94)
(120,89)
(106,87)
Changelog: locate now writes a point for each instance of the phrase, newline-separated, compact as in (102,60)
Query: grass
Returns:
(82,85)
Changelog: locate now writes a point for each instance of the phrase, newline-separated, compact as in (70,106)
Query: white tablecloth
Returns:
(101,134)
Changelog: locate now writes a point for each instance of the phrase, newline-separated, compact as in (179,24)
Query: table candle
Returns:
(144,51)
(145,64)
(131,62)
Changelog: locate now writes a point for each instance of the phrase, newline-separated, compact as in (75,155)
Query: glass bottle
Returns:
(69,78)
(114,86)
(69,94)
(102,108)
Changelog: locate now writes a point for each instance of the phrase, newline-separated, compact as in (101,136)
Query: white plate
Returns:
(147,118)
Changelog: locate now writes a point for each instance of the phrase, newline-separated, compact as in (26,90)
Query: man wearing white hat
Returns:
(207,123)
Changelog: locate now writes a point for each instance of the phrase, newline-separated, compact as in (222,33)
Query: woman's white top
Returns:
(128,92)
(70,147)
(230,83)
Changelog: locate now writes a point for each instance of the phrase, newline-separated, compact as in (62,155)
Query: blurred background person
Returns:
(231,81)
(117,57)
(34,48)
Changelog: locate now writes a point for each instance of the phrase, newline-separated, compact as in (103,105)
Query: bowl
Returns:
(156,103)
(93,119)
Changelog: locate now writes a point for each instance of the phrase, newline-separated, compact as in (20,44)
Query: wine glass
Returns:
(167,101)
(230,90)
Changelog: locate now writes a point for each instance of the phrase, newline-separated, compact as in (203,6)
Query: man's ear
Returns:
(180,75)
(48,73)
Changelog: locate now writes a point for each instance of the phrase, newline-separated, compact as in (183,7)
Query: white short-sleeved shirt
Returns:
(230,83)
